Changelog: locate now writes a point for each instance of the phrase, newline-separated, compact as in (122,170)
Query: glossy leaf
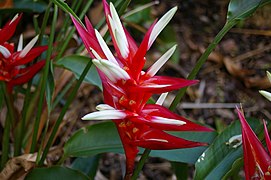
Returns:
(77,64)
(218,159)
(103,137)
(88,165)
(55,172)
(241,9)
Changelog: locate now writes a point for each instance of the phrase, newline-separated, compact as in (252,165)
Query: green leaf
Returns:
(92,140)
(55,173)
(65,7)
(217,160)
(88,165)
(50,86)
(241,9)
(103,137)
(77,64)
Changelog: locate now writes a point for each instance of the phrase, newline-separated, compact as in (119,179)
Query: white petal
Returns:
(14,18)
(116,70)
(268,75)
(117,22)
(161,61)
(102,107)
(161,99)
(266,94)
(96,55)
(105,70)
(20,44)
(162,120)
(4,51)
(121,44)
(28,47)
(105,115)
(160,25)
(105,48)
(159,140)
(118,31)
(157,85)
(111,70)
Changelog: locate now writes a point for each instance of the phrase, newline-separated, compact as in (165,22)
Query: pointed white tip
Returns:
(161,24)
(162,120)
(268,75)
(28,47)
(112,71)
(105,48)
(102,107)
(118,31)
(14,18)
(161,99)
(96,55)
(105,115)
(20,44)
(5,52)
(161,61)
(266,94)
(158,140)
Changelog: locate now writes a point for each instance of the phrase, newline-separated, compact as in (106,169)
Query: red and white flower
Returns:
(12,61)
(127,88)
(257,161)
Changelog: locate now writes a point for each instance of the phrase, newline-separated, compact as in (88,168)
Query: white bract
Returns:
(162,120)
(105,115)
(4,51)
(105,48)
(28,47)
(160,25)
(160,62)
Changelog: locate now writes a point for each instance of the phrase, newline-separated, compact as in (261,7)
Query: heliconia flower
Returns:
(266,94)
(257,161)
(12,62)
(127,88)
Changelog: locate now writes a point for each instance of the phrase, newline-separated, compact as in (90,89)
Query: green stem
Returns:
(44,22)
(201,61)
(10,119)
(141,163)
(65,108)
(5,143)
(67,39)
(51,40)
(42,91)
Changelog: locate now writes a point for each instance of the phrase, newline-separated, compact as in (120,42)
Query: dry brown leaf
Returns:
(258,82)
(6,4)
(18,167)
(235,69)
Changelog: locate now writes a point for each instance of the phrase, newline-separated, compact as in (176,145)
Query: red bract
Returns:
(127,88)
(257,160)
(11,61)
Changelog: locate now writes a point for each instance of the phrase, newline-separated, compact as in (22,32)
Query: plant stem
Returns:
(10,119)
(141,163)
(62,113)
(51,40)
(42,91)
(201,61)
